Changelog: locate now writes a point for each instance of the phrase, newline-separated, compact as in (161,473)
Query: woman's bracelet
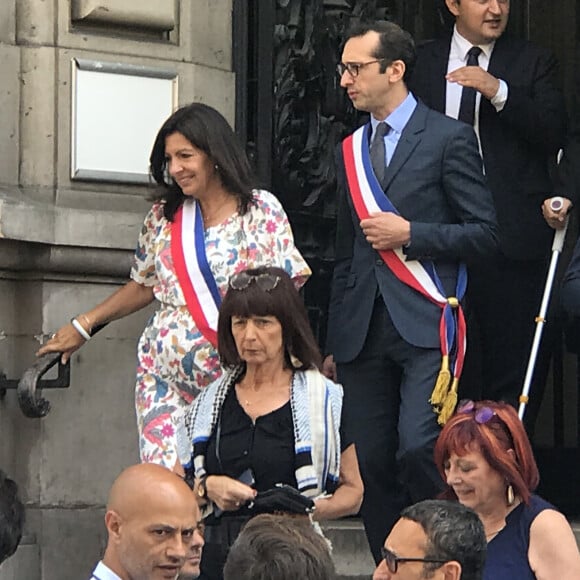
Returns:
(79,328)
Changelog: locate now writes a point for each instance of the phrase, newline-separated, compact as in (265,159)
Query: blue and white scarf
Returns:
(316,405)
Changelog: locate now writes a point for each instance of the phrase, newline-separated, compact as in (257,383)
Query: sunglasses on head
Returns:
(266,282)
(482,415)
(392,560)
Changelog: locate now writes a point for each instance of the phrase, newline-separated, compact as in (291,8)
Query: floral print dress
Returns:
(175,361)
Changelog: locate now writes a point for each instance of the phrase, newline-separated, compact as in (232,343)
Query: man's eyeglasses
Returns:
(392,560)
(266,282)
(353,68)
(482,415)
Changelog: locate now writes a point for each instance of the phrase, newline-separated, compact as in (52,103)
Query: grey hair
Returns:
(454,533)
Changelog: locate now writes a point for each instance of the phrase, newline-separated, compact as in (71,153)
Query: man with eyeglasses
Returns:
(435,539)
(413,207)
(153,523)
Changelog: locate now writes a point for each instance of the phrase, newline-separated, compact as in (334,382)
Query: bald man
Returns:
(153,524)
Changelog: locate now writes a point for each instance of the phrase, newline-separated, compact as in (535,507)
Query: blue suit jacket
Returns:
(435,181)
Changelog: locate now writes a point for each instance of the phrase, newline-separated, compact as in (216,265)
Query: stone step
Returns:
(351,554)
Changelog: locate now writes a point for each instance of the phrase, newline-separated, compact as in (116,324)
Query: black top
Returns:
(266,446)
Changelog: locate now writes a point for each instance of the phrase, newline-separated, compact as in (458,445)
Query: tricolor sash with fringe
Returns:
(192,269)
(368,197)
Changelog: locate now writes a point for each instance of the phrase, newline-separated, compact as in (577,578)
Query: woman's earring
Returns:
(216,167)
(511,498)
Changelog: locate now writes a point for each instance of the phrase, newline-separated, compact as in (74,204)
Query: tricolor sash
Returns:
(368,197)
(192,269)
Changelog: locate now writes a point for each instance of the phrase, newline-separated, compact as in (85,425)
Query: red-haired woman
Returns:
(484,455)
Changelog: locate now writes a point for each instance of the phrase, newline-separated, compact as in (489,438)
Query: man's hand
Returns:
(386,230)
(329,368)
(476,77)
(556,219)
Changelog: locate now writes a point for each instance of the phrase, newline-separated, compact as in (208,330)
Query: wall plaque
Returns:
(117,110)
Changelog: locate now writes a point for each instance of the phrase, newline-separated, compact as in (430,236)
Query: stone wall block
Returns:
(72,541)
(19,452)
(211,32)
(8,21)
(10,109)
(35,22)
(38,113)
(216,88)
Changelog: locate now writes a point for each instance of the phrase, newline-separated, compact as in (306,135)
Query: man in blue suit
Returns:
(383,334)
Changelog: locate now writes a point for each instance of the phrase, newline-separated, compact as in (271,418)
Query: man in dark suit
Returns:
(519,115)
(571,286)
(569,186)
(383,334)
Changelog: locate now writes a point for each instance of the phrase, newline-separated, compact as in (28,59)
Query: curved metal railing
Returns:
(29,387)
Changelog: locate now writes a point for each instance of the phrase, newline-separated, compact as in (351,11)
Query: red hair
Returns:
(494,439)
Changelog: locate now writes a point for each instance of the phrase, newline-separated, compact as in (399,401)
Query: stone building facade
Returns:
(66,244)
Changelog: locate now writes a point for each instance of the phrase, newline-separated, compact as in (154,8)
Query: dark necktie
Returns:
(467,105)
(378,156)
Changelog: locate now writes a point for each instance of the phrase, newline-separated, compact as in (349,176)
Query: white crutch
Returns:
(556,204)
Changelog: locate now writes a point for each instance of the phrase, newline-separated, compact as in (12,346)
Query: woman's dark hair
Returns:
(502,441)
(283,302)
(207,130)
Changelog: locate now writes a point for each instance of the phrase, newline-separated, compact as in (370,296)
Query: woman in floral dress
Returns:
(207,223)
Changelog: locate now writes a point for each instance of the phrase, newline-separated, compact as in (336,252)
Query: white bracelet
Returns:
(79,328)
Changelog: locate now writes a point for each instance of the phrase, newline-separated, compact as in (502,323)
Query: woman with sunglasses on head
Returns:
(272,418)
(486,459)
(208,222)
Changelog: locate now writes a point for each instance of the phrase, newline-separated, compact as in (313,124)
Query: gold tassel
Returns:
(446,410)
(441,384)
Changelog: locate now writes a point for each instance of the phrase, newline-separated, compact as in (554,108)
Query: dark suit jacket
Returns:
(569,171)
(570,293)
(435,181)
(518,143)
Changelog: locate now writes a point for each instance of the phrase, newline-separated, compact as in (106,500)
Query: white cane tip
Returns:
(556,203)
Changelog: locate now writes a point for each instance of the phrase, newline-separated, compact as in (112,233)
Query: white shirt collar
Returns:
(460,46)
(103,572)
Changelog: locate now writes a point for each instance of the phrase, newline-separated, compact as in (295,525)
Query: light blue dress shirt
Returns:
(397,120)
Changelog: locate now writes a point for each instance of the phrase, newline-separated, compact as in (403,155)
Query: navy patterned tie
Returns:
(378,155)
(467,105)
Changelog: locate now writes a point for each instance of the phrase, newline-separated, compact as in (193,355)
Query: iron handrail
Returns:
(31,383)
